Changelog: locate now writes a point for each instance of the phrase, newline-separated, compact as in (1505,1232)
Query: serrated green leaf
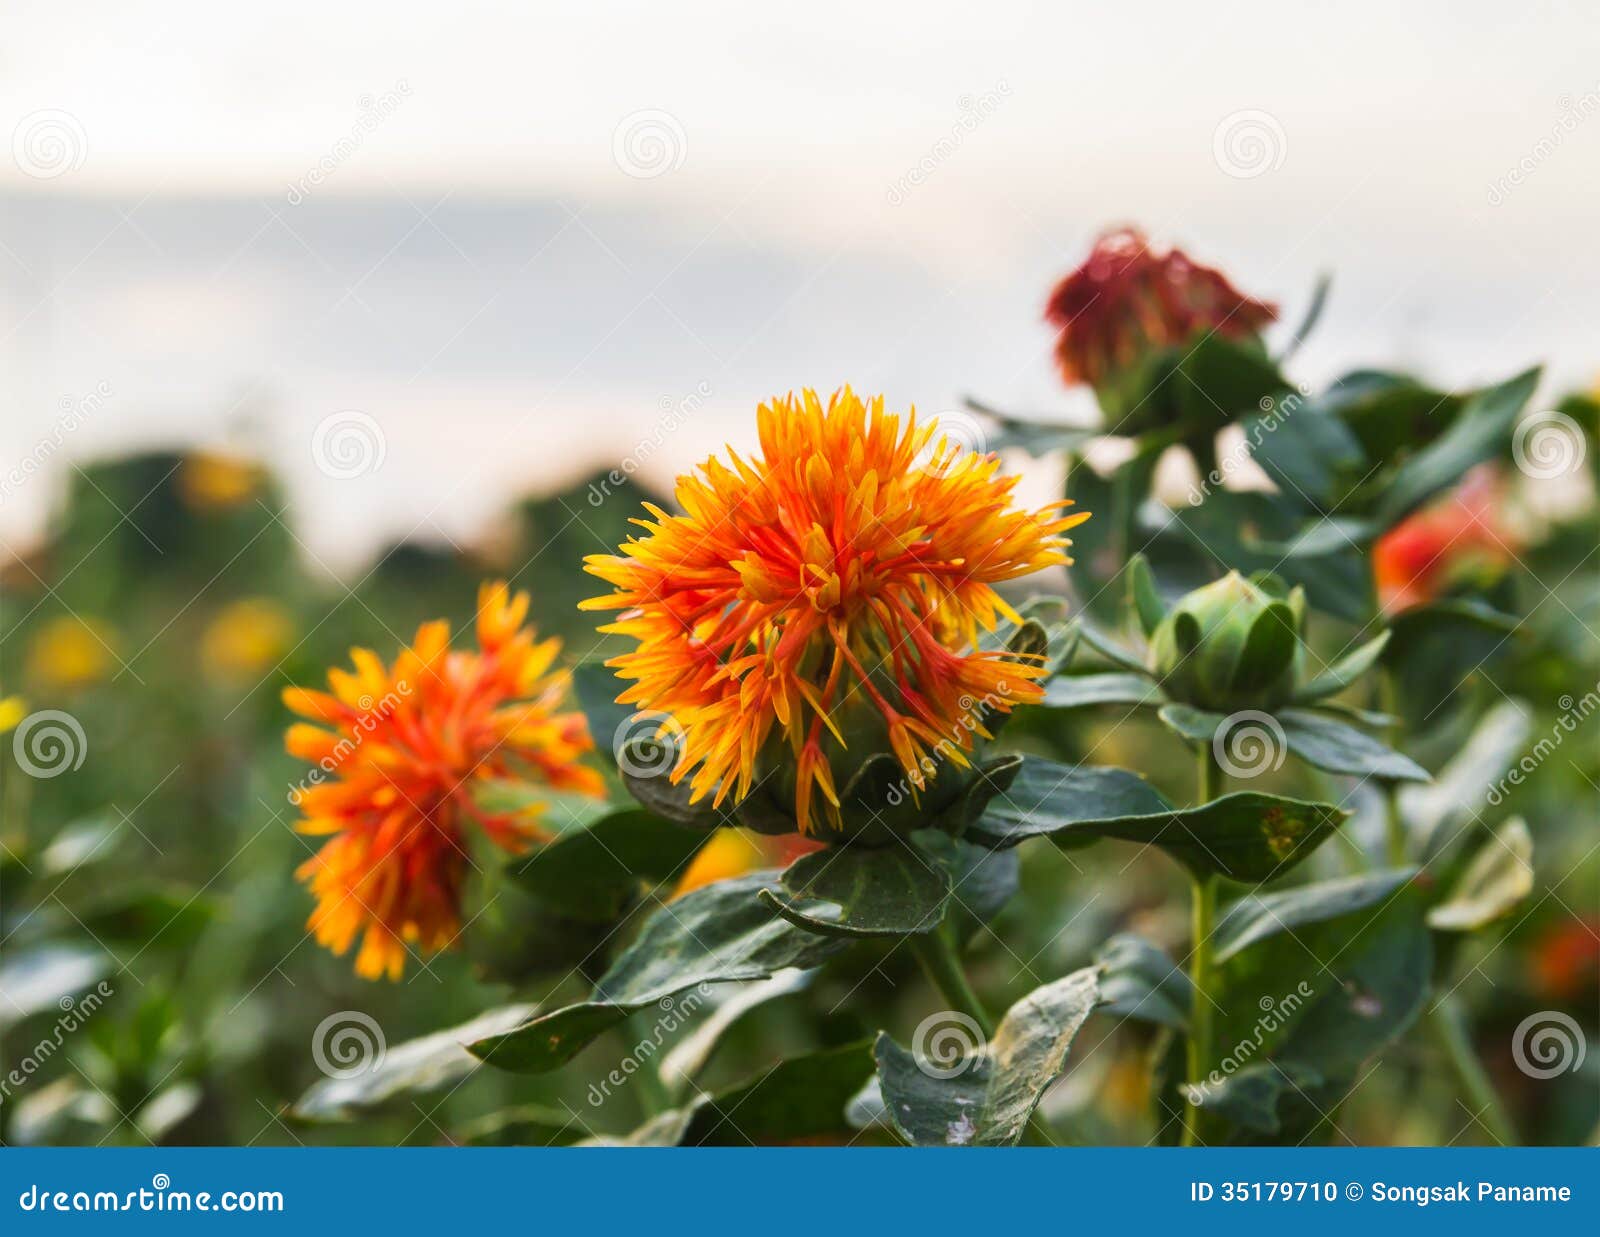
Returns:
(1076,691)
(1245,836)
(859,891)
(415,1066)
(1138,980)
(1143,596)
(717,934)
(1343,672)
(1046,795)
(1498,878)
(799,1099)
(986,1096)
(1258,917)
(1482,428)
(1473,775)
(595,873)
(1329,744)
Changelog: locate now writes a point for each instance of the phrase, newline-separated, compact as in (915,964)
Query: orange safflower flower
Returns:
(853,561)
(394,777)
(1462,536)
(1128,300)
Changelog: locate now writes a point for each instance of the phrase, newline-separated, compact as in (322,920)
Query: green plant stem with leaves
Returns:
(1203,916)
(1446,1020)
(943,967)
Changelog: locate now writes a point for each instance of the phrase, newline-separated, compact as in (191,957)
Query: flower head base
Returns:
(823,602)
(394,776)
(1230,645)
(1127,304)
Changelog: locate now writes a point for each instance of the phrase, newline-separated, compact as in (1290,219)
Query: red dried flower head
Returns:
(1127,301)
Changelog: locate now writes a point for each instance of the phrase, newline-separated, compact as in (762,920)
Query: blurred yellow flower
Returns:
(246,638)
(12,710)
(211,482)
(70,652)
(734,852)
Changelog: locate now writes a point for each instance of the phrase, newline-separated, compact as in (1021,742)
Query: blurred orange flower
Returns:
(394,777)
(1462,537)
(857,554)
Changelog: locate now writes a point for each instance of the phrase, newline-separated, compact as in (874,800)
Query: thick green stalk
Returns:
(1203,915)
(938,958)
(1449,1028)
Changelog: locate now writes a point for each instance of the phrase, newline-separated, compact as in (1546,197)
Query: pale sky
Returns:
(937,164)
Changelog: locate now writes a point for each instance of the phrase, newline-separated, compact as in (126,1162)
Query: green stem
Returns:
(1394,826)
(942,965)
(938,958)
(1449,1028)
(1203,916)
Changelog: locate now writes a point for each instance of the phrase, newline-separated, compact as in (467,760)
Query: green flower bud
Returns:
(1234,644)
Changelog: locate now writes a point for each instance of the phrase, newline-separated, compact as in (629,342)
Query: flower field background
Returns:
(859,577)
(161,982)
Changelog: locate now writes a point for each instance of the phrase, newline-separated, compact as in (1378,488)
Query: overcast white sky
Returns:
(791,132)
